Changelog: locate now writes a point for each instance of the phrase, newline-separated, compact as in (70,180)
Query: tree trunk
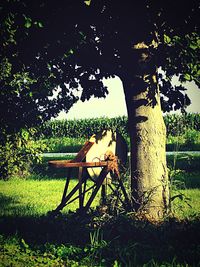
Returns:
(149,178)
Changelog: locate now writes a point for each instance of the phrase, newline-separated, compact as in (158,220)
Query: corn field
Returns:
(175,125)
(179,124)
(82,127)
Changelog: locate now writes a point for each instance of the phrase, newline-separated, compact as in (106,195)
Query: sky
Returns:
(114,103)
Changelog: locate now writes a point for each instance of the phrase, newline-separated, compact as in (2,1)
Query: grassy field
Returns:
(189,141)
(33,197)
(64,144)
(29,236)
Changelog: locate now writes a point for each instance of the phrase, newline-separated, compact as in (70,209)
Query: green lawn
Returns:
(186,205)
(37,197)
(34,197)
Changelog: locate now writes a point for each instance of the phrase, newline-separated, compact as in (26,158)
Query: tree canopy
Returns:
(46,46)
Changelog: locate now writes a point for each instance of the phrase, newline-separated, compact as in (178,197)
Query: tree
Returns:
(137,47)
(83,42)
(28,77)
(143,37)
(28,73)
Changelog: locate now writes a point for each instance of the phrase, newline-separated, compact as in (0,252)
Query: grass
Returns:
(40,194)
(16,252)
(189,141)
(184,161)
(29,236)
(30,198)
(182,179)
(37,197)
(33,197)
(186,204)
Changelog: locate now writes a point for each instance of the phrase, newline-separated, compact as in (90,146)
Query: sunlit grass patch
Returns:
(186,203)
(34,197)
(37,197)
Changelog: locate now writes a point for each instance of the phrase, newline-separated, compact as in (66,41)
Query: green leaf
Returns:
(88,2)
(198,43)
(39,24)
(25,134)
(167,39)
(193,46)
(24,243)
(176,38)
(187,77)
(28,22)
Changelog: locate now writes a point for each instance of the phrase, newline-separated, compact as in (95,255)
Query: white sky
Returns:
(114,103)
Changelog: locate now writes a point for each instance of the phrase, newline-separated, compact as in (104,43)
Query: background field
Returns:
(183,132)
(175,125)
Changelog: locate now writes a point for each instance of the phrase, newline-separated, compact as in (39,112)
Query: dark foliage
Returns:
(45,45)
(125,240)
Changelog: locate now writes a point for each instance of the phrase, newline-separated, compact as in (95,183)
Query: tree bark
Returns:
(149,177)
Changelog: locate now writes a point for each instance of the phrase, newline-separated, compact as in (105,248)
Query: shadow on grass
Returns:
(13,206)
(183,147)
(186,180)
(126,238)
(5,201)
(185,162)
